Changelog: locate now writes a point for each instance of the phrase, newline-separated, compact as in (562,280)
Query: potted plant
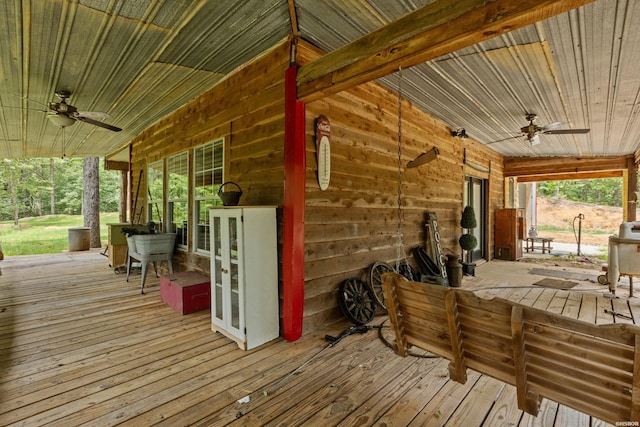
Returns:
(468,241)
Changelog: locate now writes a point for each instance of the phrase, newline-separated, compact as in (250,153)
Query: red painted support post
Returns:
(294,203)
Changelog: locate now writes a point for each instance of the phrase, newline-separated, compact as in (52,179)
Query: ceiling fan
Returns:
(62,114)
(532,130)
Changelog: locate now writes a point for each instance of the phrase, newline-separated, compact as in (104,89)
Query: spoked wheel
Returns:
(408,272)
(356,301)
(375,280)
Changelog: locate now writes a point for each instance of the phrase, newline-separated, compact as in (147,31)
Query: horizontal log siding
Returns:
(247,109)
(353,223)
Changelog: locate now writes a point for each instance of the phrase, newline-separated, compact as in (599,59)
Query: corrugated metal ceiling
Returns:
(140,60)
(579,68)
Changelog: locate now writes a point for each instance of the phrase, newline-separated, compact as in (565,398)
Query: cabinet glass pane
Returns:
(235,297)
(217,250)
(218,289)
(233,238)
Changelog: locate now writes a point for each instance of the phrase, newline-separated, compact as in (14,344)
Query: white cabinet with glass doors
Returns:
(244,274)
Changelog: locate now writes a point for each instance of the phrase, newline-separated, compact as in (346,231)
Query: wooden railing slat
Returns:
(457,368)
(527,401)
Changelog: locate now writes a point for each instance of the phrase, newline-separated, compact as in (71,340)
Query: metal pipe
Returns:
(580,217)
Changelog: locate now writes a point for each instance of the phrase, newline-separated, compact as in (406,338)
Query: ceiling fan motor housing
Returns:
(62,107)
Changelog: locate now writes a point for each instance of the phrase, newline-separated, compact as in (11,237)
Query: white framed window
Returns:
(177,197)
(155,189)
(208,175)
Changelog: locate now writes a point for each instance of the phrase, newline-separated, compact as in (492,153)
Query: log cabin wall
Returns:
(354,222)
(247,109)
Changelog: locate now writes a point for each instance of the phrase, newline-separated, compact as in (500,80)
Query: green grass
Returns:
(45,234)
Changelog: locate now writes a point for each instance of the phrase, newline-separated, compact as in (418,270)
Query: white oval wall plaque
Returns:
(323,151)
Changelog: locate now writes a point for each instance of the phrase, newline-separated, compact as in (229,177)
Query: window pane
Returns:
(208,175)
(155,184)
(178,171)
(177,193)
(178,222)
(202,226)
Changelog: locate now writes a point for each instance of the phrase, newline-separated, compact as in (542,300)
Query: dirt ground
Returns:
(598,224)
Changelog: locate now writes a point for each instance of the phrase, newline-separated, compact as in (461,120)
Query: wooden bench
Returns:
(545,244)
(588,367)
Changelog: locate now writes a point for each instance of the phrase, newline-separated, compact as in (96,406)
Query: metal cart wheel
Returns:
(356,301)
(375,280)
(603,280)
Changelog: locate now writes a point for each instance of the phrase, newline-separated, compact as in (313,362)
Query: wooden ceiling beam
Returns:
(541,166)
(111,165)
(439,28)
(293,17)
(570,176)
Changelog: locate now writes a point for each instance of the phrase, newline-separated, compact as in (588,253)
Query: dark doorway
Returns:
(475,196)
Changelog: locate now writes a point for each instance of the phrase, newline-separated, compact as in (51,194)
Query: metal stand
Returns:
(580,217)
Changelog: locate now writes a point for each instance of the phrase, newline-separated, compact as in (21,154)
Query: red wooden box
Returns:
(186,292)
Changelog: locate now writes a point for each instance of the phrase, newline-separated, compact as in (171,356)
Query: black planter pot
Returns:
(468,269)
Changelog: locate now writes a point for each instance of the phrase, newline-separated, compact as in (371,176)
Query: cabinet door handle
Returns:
(224,270)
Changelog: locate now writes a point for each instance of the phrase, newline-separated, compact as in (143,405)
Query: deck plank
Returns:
(79,344)
(439,409)
(505,410)
(477,404)
(329,383)
(402,399)
(220,398)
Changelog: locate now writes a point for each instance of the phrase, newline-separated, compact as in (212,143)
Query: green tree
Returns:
(91,199)
(604,191)
(35,187)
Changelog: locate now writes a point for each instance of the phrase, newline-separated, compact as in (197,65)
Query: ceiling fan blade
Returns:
(94,114)
(97,123)
(504,139)
(553,125)
(566,131)
(25,109)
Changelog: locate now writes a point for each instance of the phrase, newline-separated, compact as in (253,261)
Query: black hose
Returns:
(392,347)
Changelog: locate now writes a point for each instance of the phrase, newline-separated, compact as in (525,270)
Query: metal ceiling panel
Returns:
(135,60)
(219,37)
(330,24)
(140,60)
(579,67)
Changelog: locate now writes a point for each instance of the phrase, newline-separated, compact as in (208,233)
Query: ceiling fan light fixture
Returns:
(61,120)
(533,141)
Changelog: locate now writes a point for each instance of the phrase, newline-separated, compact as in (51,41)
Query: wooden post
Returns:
(630,186)
(457,367)
(527,400)
(293,216)
(122,203)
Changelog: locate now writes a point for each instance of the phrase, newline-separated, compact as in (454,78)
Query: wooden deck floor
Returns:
(79,345)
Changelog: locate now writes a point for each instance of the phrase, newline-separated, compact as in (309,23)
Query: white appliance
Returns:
(624,255)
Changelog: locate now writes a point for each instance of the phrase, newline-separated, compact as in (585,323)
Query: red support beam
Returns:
(294,203)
